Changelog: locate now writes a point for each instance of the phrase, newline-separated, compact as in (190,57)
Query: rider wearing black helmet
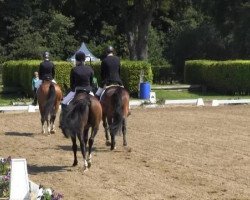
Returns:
(110,70)
(81,77)
(46,70)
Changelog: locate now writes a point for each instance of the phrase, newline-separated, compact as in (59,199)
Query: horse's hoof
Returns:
(108,143)
(85,169)
(125,144)
(74,164)
(129,113)
(129,149)
(113,148)
(53,132)
(89,164)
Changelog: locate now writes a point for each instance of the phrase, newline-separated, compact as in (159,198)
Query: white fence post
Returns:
(19,182)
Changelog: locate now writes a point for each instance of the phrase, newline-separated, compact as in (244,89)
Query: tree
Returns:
(31,27)
(118,21)
(138,19)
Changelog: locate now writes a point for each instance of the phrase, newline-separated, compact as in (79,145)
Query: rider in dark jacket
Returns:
(110,70)
(46,68)
(81,78)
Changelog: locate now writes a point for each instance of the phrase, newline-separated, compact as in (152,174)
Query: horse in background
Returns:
(115,106)
(83,112)
(49,96)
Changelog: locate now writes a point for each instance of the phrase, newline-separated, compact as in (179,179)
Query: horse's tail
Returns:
(118,112)
(49,106)
(77,116)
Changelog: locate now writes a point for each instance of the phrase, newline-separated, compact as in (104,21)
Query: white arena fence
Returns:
(145,103)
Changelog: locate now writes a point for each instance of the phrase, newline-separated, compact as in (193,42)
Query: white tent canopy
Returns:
(89,55)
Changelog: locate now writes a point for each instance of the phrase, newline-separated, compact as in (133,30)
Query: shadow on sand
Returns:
(19,134)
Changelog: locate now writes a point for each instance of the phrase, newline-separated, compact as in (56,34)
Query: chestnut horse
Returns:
(83,112)
(49,96)
(115,106)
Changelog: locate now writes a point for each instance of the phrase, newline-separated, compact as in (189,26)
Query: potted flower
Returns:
(5,172)
(5,178)
(48,194)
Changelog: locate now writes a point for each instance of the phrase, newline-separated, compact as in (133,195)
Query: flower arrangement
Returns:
(5,177)
(48,194)
(5,171)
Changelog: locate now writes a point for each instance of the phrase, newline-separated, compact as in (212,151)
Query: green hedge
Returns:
(162,74)
(20,73)
(230,76)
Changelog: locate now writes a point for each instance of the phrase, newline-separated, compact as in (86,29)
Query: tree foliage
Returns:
(153,30)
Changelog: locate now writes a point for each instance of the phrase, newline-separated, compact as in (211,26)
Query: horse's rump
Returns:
(115,103)
(49,96)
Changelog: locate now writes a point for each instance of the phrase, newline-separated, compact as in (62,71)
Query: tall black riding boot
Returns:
(62,115)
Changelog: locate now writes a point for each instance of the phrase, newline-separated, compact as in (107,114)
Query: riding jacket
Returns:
(46,70)
(81,76)
(110,70)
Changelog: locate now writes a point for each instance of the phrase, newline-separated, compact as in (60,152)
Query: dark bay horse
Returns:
(49,96)
(115,106)
(84,112)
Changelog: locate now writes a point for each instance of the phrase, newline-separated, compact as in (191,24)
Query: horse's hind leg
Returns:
(74,148)
(52,124)
(105,126)
(91,142)
(43,125)
(124,131)
(83,149)
(112,134)
(48,126)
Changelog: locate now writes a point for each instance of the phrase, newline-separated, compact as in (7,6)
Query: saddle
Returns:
(109,86)
(79,89)
(112,85)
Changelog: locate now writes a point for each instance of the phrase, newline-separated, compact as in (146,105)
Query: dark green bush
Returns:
(230,76)
(130,73)
(162,73)
(20,73)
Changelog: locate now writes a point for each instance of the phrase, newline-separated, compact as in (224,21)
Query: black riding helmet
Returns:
(46,55)
(109,49)
(80,56)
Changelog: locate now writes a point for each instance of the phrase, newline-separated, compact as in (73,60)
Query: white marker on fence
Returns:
(19,182)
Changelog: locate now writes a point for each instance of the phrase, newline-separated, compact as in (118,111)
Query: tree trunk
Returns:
(137,26)
(142,39)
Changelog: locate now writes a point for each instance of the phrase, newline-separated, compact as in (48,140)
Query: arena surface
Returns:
(182,152)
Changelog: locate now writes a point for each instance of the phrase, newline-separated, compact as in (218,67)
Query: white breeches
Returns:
(39,83)
(99,91)
(67,99)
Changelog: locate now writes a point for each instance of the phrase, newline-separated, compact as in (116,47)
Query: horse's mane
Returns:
(77,115)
